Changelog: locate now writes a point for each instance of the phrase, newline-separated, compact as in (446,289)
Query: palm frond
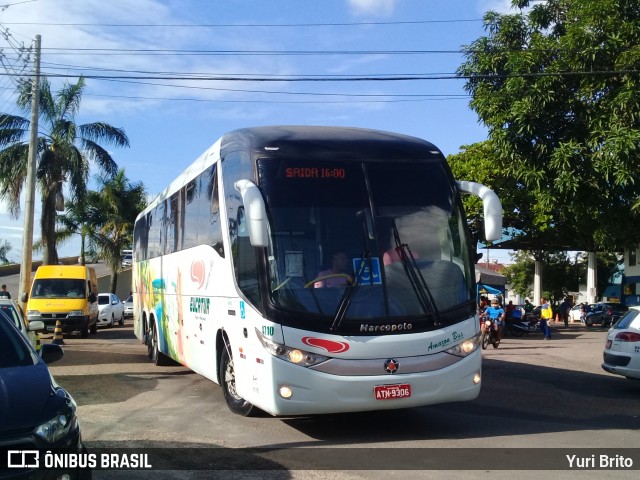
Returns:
(104,133)
(100,156)
(69,97)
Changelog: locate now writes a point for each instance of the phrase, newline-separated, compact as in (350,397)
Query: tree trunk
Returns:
(48,227)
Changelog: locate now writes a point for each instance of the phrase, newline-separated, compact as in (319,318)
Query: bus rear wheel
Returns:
(235,402)
(157,357)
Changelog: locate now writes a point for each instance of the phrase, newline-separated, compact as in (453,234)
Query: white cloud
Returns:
(373,7)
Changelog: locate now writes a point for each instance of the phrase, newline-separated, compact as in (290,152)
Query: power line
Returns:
(249,25)
(345,78)
(183,52)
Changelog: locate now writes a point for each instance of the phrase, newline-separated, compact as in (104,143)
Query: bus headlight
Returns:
(465,348)
(291,355)
(76,313)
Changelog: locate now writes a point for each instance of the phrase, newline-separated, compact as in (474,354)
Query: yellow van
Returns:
(67,293)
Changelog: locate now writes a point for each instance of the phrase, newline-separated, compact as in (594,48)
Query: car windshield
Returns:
(103,299)
(397,232)
(11,313)
(129,300)
(16,352)
(58,288)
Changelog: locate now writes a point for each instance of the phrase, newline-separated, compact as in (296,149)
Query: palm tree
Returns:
(77,220)
(5,247)
(65,153)
(112,212)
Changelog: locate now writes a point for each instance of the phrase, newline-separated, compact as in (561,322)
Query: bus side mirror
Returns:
(92,297)
(492,208)
(24,297)
(255,211)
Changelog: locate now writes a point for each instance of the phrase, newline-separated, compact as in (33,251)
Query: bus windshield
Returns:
(375,239)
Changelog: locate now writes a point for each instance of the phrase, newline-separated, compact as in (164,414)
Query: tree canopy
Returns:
(557,85)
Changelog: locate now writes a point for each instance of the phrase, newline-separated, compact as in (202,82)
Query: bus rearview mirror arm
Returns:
(255,212)
(492,207)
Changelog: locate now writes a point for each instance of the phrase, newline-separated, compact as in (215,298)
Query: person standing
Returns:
(546,314)
(4,293)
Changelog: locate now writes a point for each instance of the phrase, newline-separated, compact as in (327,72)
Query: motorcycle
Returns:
(489,334)
(518,327)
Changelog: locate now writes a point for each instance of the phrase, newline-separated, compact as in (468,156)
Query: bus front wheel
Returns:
(235,402)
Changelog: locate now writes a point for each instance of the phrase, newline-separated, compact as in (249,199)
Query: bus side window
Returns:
(244,255)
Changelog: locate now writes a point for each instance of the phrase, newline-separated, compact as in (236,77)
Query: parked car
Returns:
(110,309)
(622,349)
(128,307)
(575,313)
(605,314)
(37,414)
(127,260)
(14,314)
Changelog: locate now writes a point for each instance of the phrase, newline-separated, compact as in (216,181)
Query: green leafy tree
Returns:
(479,163)
(562,272)
(112,213)
(557,88)
(65,153)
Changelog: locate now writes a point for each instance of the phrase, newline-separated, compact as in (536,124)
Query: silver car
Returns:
(622,348)
(128,307)
(11,311)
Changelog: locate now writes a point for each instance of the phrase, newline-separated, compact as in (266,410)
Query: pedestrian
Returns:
(546,314)
(4,293)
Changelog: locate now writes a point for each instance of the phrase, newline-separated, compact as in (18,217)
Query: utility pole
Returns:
(27,238)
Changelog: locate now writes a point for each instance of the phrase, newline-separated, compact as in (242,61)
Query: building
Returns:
(631,278)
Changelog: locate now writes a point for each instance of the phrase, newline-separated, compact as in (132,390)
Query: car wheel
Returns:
(112,322)
(235,402)
(121,322)
(84,331)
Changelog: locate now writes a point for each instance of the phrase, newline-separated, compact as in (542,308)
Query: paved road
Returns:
(535,394)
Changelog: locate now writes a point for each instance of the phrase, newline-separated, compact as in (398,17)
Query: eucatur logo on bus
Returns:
(328,345)
(197,272)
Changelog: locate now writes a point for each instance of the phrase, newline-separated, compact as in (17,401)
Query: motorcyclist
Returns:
(496,314)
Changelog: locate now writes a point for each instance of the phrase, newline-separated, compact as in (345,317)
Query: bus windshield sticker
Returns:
(370,272)
(293,264)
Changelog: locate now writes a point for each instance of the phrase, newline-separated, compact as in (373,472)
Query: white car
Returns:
(127,260)
(622,349)
(575,313)
(110,310)
(11,311)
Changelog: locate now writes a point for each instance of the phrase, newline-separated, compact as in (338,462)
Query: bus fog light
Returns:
(476,378)
(285,392)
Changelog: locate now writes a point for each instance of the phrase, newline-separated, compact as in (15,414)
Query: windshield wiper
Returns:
(418,283)
(348,294)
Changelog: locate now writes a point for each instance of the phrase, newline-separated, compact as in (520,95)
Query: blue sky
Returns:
(170,121)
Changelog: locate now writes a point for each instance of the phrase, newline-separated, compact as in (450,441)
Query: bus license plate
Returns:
(392,392)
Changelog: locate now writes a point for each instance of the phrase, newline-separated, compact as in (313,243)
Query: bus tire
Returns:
(235,402)
(158,358)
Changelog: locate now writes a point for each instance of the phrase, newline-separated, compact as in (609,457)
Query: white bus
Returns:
(233,273)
